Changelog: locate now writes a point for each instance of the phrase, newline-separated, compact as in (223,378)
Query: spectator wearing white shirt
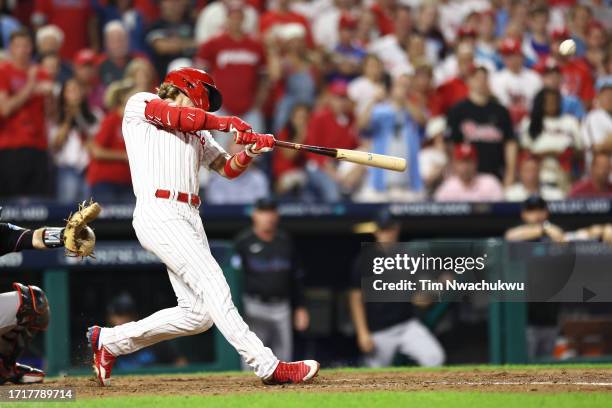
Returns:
(552,136)
(69,136)
(433,156)
(597,125)
(515,86)
(325,25)
(390,48)
(370,85)
(529,182)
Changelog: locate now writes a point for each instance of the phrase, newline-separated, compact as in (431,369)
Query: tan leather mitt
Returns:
(79,238)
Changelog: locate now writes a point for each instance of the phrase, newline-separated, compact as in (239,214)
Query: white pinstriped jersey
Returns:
(170,160)
(163,159)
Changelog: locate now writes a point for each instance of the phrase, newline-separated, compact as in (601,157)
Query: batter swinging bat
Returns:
(354,156)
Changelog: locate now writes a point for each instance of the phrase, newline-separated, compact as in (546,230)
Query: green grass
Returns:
(443,399)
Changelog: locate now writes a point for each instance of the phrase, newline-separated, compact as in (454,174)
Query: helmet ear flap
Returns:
(214,98)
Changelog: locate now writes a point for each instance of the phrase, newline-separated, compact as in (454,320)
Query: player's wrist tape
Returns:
(53,237)
(241,160)
(250,152)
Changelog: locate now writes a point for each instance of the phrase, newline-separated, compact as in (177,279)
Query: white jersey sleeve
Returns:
(211,149)
(135,107)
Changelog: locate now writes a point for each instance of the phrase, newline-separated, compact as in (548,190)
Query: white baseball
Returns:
(567,47)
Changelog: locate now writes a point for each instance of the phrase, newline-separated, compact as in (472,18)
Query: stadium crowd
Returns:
(473,93)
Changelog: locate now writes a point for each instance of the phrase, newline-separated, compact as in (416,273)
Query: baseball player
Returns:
(25,311)
(273,299)
(167,140)
(384,329)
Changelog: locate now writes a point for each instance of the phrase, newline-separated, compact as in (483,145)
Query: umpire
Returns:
(273,280)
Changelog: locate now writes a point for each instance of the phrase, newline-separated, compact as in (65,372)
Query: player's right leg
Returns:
(187,318)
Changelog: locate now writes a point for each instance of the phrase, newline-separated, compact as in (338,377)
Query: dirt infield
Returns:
(545,380)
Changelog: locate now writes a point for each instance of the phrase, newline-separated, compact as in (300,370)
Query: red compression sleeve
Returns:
(183,118)
(241,161)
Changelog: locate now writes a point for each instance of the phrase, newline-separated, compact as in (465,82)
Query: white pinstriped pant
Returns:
(174,232)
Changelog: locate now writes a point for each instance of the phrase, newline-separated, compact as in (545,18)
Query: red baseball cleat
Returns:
(103,360)
(294,373)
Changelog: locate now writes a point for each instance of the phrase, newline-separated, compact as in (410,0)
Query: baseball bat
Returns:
(354,156)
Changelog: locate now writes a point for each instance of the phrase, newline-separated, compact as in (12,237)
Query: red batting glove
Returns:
(226,123)
(263,143)
(234,123)
(244,138)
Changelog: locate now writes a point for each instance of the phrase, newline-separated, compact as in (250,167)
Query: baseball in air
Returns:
(567,47)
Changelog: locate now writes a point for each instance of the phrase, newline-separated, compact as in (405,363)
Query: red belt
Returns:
(192,199)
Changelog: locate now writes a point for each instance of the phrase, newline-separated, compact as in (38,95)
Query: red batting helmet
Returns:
(198,86)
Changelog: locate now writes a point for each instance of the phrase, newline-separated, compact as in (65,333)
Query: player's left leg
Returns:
(23,313)
(216,294)
(421,345)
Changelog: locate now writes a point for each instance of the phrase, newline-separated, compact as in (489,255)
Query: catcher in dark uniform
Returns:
(25,311)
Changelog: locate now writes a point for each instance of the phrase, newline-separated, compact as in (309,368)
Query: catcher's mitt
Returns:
(79,239)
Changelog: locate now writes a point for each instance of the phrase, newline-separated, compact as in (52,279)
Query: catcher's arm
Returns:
(78,238)
(14,238)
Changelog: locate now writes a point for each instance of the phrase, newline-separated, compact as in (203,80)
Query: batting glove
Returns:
(234,123)
(244,138)
(263,143)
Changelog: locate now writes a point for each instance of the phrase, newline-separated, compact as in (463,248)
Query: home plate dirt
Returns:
(487,380)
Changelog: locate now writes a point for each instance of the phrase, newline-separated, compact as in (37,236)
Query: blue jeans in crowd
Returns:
(112,192)
(71,186)
(320,186)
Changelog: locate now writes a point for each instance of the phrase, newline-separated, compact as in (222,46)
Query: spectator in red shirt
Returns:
(383,11)
(75,18)
(596,43)
(24,163)
(597,184)
(108,174)
(331,126)
(283,15)
(288,165)
(86,73)
(453,91)
(237,61)
(577,77)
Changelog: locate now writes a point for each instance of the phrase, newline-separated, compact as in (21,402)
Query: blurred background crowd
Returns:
(474,93)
